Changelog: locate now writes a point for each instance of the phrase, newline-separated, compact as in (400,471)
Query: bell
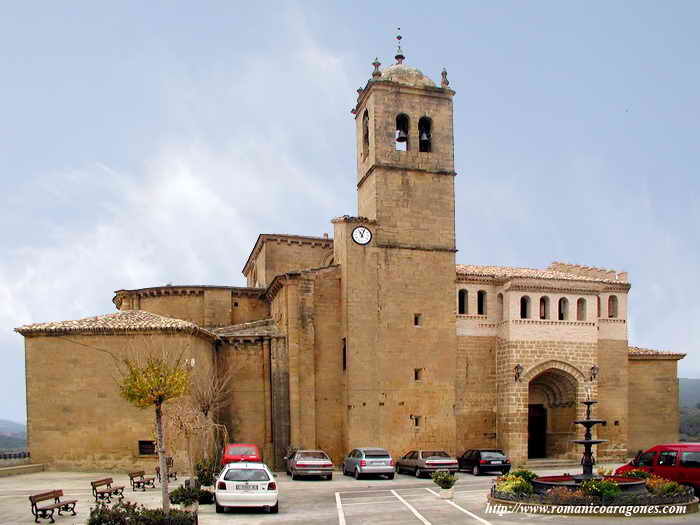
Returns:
(402,136)
(424,137)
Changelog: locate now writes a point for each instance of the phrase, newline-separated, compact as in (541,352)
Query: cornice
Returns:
(398,167)
(322,242)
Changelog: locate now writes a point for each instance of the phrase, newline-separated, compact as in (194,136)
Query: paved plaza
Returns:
(343,501)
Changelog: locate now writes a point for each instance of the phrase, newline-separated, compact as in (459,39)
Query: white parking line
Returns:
(482,520)
(412,509)
(339,505)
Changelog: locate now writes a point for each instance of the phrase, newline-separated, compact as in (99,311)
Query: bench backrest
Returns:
(136,474)
(52,494)
(100,482)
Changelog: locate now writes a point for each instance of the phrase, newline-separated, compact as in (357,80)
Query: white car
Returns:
(246,485)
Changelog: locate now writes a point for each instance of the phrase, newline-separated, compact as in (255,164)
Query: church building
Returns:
(374,337)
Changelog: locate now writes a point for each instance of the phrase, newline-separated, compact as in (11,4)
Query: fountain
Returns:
(544,483)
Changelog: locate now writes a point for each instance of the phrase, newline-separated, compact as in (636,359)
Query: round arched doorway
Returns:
(552,396)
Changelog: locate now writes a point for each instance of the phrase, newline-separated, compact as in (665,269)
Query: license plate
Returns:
(496,462)
(246,486)
(379,462)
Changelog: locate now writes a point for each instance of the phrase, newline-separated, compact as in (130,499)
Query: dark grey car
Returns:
(421,462)
(309,463)
(368,460)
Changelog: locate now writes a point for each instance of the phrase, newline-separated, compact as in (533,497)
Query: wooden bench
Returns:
(139,481)
(169,465)
(103,490)
(46,511)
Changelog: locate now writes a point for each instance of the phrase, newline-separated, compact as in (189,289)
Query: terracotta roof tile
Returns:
(120,322)
(509,272)
(636,351)
(266,327)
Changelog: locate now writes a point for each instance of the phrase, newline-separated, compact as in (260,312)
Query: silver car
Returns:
(421,462)
(309,463)
(369,460)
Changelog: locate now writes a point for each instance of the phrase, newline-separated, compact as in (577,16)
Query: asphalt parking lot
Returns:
(343,501)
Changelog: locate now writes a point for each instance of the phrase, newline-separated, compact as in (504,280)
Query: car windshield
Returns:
(690,459)
(492,455)
(435,454)
(241,451)
(246,474)
(313,455)
(376,454)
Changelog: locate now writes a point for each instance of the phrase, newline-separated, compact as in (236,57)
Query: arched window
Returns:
(612,306)
(544,307)
(401,136)
(462,299)
(499,300)
(425,140)
(365,134)
(563,309)
(524,307)
(481,302)
(581,309)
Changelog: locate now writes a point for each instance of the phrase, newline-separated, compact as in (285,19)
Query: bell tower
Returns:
(397,260)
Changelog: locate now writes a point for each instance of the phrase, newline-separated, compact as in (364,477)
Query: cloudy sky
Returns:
(145,143)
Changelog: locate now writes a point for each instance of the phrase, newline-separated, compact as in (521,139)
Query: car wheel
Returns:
(275,508)
(329,477)
(419,472)
(390,476)
(475,470)
(219,508)
(357,474)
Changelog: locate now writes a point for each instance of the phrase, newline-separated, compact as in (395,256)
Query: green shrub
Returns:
(444,480)
(514,485)
(184,496)
(602,488)
(525,474)
(636,474)
(133,514)
(205,497)
(206,471)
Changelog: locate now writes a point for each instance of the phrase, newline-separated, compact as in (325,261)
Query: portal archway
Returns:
(552,408)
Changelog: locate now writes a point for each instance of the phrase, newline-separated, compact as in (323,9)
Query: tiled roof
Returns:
(508,272)
(650,353)
(264,328)
(120,322)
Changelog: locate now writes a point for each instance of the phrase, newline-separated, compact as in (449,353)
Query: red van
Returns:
(234,452)
(675,461)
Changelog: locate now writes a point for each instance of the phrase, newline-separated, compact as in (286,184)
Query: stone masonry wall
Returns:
(613,397)
(76,418)
(653,403)
(475,395)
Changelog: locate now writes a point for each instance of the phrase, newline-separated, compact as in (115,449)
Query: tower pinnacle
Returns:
(399,52)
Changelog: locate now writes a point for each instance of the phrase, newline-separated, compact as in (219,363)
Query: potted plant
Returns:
(206,473)
(446,481)
(186,497)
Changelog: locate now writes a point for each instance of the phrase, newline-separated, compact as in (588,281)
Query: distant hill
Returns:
(10,427)
(689,392)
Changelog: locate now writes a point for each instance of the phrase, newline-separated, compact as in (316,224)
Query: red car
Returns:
(675,461)
(234,452)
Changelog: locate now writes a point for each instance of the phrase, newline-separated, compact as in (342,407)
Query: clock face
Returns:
(361,235)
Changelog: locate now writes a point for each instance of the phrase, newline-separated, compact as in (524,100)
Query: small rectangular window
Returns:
(417,421)
(418,374)
(147,448)
(345,354)
(417,318)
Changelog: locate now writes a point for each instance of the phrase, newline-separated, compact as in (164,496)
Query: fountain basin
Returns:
(589,441)
(542,484)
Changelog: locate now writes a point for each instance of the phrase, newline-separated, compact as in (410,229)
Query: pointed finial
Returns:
(399,53)
(376,73)
(444,82)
